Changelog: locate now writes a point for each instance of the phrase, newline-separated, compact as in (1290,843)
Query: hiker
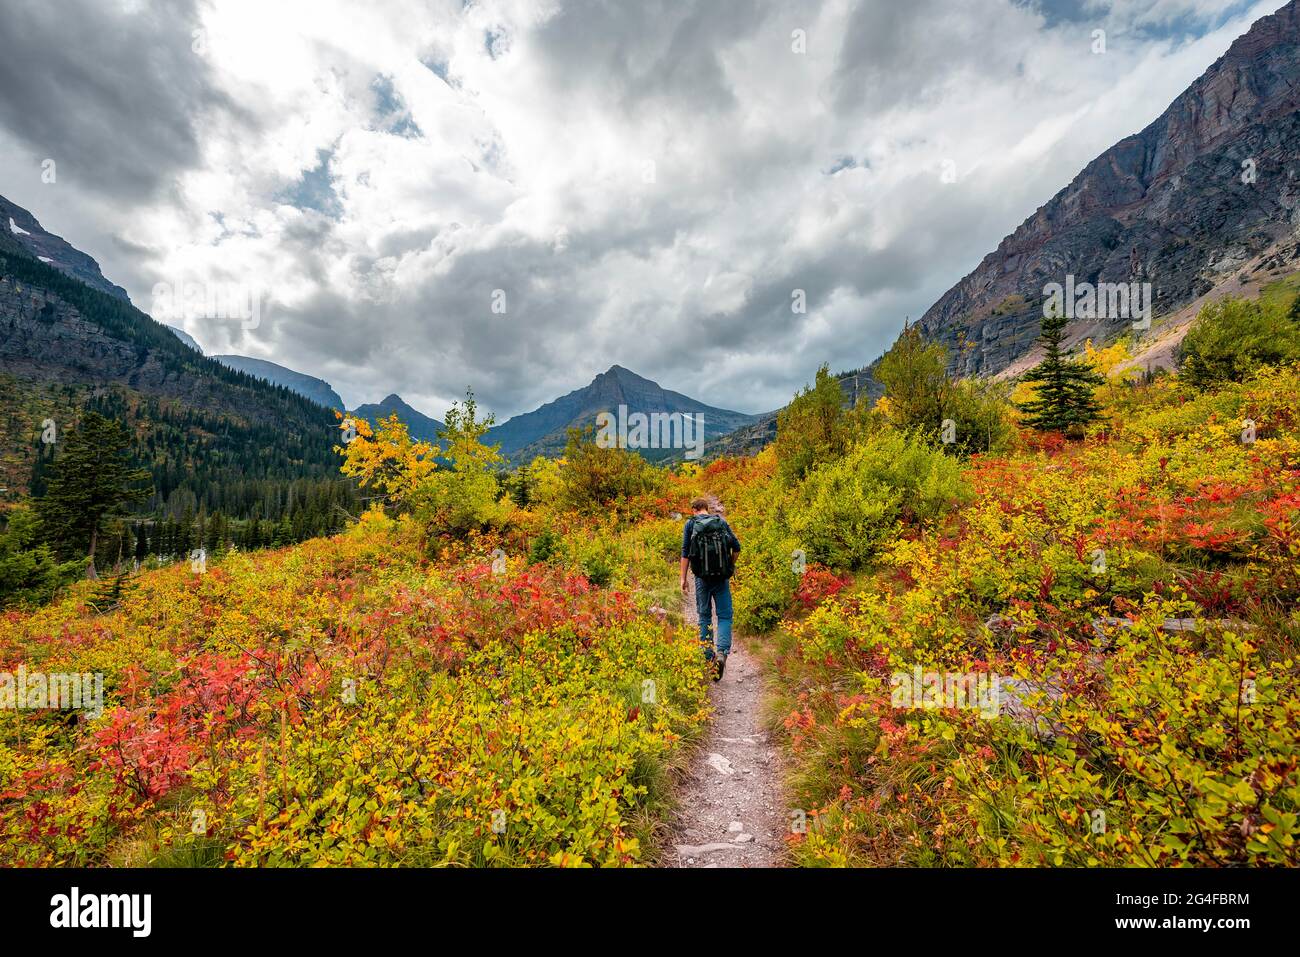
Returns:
(709,549)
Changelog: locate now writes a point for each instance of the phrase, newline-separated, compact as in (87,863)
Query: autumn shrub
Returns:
(347,702)
(1133,594)
(766,575)
(1174,750)
(448,693)
(1233,338)
(844,509)
(816,584)
(464,495)
(966,416)
(980,417)
(918,390)
(595,480)
(813,429)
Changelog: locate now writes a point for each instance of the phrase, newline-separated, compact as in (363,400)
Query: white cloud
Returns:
(646,183)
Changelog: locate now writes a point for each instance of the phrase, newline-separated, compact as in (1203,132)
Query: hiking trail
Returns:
(731,811)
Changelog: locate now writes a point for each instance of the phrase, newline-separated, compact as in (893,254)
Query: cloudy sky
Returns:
(516,194)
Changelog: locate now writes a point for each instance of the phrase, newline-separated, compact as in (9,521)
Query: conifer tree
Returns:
(1065,401)
(88,482)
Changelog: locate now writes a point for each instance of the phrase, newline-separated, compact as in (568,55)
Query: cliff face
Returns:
(27,233)
(1208,187)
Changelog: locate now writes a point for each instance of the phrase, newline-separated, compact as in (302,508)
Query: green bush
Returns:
(921,398)
(543,547)
(29,572)
(845,508)
(814,428)
(764,584)
(915,376)
(599,569)
(981,417)
(602,556)
(463,496)
(1233,338)
(603,480)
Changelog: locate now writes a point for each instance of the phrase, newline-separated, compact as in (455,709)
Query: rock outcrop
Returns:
(1208,187)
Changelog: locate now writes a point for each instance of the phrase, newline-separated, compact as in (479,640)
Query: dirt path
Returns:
(731,811)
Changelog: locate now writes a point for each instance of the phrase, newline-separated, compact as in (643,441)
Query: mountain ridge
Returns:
(420,426)
(23,229)
(1170,205)
(544,431)
(210,435)
(310,387)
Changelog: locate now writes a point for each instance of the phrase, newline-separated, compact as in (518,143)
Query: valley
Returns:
(1017,589)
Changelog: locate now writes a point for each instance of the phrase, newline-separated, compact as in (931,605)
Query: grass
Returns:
(1281,292)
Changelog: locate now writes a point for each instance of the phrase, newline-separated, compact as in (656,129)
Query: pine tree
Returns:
(89,481)
(185,541)
(141,542)
(29,571)
(110,592)
(1065,401)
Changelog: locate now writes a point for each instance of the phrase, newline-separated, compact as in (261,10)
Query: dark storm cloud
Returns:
(897,54)
(644,52)
(111,96)
(389,184)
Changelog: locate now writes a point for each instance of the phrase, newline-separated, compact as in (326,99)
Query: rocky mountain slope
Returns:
(22,228)
(67,344)
(318,390)
(1207,189)
(56,328)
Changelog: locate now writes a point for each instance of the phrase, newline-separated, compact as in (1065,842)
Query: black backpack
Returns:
(710,549)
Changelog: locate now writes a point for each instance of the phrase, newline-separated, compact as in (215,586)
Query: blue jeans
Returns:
(711,594)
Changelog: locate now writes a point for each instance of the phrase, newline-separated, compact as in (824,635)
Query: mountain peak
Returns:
(544,430)
(623,374)
(419,425)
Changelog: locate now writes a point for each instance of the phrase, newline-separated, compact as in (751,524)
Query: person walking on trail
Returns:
(709,550)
